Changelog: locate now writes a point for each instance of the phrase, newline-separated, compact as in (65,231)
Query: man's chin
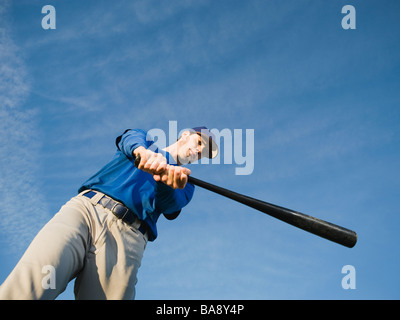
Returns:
(187,160)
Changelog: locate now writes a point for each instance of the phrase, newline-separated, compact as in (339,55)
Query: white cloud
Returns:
(154,11)
(22,208)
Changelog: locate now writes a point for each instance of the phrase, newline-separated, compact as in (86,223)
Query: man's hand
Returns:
(174,176)
(156,164)
(151,162)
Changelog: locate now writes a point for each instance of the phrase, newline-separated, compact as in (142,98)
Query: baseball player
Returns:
(99,236)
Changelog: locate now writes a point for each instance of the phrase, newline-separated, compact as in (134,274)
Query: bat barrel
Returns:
(324,229)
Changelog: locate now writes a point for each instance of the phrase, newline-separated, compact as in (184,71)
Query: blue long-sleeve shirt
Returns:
(136,189)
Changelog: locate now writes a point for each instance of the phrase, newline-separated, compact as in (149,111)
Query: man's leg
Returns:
(53,258)
(112,262)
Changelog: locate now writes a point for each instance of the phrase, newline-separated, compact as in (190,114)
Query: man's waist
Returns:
(119,210)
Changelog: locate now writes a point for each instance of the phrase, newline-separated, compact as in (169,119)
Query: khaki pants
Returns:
(83,241)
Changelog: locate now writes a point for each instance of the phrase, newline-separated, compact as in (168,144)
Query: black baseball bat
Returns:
(300,220)
(324,229)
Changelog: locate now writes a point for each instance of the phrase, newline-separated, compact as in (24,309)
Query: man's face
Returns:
(192,147)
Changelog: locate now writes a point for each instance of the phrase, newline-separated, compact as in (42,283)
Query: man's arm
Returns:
(171,201)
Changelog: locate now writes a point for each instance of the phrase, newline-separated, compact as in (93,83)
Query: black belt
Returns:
(119,210)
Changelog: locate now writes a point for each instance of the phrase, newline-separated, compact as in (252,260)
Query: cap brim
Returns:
(214,148)
(208,136)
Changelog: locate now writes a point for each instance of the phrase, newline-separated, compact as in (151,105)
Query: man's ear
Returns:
(185,135)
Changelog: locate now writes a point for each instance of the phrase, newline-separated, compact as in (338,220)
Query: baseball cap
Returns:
(210,138)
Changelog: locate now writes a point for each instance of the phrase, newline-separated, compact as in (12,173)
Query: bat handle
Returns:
(137,161)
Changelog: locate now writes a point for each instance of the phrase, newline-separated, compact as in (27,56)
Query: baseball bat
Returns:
(324,229)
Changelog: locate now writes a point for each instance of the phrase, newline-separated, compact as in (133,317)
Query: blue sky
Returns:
(323,103)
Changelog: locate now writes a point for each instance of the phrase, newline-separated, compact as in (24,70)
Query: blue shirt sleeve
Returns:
(133,139)
(169,200)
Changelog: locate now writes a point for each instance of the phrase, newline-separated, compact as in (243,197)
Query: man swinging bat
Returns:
(99,236)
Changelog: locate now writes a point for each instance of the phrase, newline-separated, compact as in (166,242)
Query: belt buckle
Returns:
(116,209)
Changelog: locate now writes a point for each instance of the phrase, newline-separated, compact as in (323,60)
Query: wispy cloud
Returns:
(23,209)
